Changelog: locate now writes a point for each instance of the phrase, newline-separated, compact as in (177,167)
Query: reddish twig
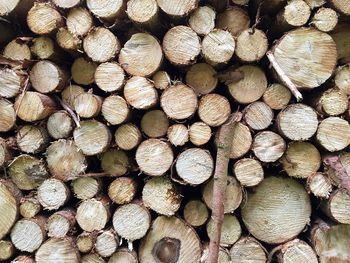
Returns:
(335,163)
(224,144)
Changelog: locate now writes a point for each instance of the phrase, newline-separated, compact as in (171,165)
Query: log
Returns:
(144,14)
(248,249)
(87,105)
(5,152)
(61,223)
(7,250)
(336,206)
(60,125)
(268,146)
(154,124)
(114,109)
(341,36)
(341,79)
(241,142)
(79,21)
(325,19)
(86,241)
(248,171)
(161,195)
(32,139)
(8,6)
(8,114)
(161,80)
(332,102)
(258,115)
(92,258)
(65,4)
(277,96)
(223,256)
(109,76)
(86,187)
(315,3)
(108,10)
(29,206)
(340,6)
(68,41)
(199,133)
(11,82)
(202,20)
(83,71)
(23,259)
(177,10)
(17,50)
(53,194)
(251,45)
(234,19)
(122,190)
(178,134)
(283,223)
(295,250)
(106,243)
(319,185)
(214,109)
(202,78)
(123,255)
(115,162)
(127,136)
(196,213)
(69,93)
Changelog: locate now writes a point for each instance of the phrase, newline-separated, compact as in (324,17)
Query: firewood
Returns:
(83,71)
(107,10)
(248,171)
(60,125)
(181,45)
(199,133)
(11,82)
(64,251)
(242,141)
(106,243)
(325,19)
(86,241)
(233,196)
(297,122)
(140,93)
(161,80)
(92,258)
(154,123)
(301,159)
(68,41)
(122,190)
(202,20)
(141,55)
(178,134)
(60,223)
(8,115)
(29,206)
(79,21)
(17,50)
(32,139)
(154,157)
(332,102)
(52,194)
(127,136)
(335,206)
(283,223)
(7,250)
(109,77)
(251,87)
(319,185)
(223,256)
(115,162)
(295,250)
(234,19)
(202,78)
(86,187)
(145,14)
(248,249)
(27,172)
(28,234)
(340,6)
(123,255)
(69,93)
(100,207)
(177,9)
(268,146)
(258,115)
(196,213)
(170,240)
(161,195)
(214,109)
(176,109)
(333,134)
(87,105)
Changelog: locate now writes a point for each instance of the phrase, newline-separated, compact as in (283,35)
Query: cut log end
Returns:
(248,172)
(122,190)
(128,136)
(196,213)
(178,134)
(202,20)
(247,249)
(52,194)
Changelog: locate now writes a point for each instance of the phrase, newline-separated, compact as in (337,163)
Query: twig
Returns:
(70,111)
(257,19)
(224,144)
(284,78)
(94,175)
(335,163)
(26,85)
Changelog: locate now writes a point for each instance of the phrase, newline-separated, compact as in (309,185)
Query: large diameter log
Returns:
(234,19)
(248,171)
(11,82)
(107,10)
(276,208)
(8,115)
(122,190)
(296,251)
(247,250)
(170,240)
(109,76)
(202,20)
(106,243)
(60,125)
(32,139)
(86,187)
(336,206)
(52,194)
(268,146)
(277,96)
(177,9)
(307,56)
(196,213)
(115,162)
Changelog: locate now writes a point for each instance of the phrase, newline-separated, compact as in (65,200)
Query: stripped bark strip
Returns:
(335,163)
(65,106)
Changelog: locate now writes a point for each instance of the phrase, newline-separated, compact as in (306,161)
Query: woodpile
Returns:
(167,131)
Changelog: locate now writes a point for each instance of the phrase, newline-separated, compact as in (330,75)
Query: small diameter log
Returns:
(52,194)
(268,146)
(79,21)
(202,20)
(92,258)
(68,41)
(106,243)
(65,161)
(11,82)
(87,105)
(123,255)
(315,3)
(43,19)
(333,134)
(34,106)
(248,171)
(258,115)
(194,166)
(83,71)
(177,10)
(115,110)
(144,13)
(47,77)
(32,139)
(233,196)
(69,93)
(23,259)
(319,185)
(170,240)
(122,190)
(341,6)
(131,221)
(60,125)
(7,250)
(154,157)
(17,50)
(140,93)
(202,78)
(161,195)
(66,3)
(223,256)
(93,214)
(277,96)
(155,123)
(251,45)
(248,249)
(101,45)
(342,79)
(60,223)
(336,206)
(178,134)
(325,19)
(29,206)
(199,133)
(127,136)
(196,213)
(8,115)
(115,162)
(161,80)
(218,47)
(242,141)
(301,160)
(251,87)
(175,108)
(7,7)
(5,153)
(332,102)
(86,187)
(65,251)
(295,251)
(141,55)
(92,137)
(290,55)
(233,19)
(230,232)
(27,172)
(109,77)
(276,208)
(86,241)
(28,234)
(214,109)
(108,10)
(297,122)
(45,48)
(181,45)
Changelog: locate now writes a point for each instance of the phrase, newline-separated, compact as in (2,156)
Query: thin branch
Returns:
(26,85)
(335,163)
(284,78)
(95,175)
(70,111)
